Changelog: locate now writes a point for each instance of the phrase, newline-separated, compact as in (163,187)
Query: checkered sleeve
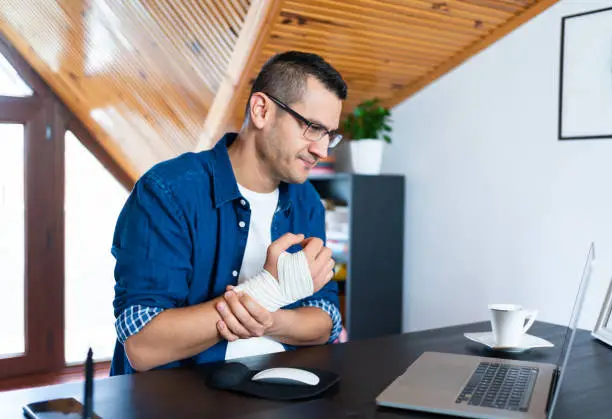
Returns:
(333,312)
(133,319)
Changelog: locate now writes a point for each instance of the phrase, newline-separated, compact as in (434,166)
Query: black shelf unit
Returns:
(372,294)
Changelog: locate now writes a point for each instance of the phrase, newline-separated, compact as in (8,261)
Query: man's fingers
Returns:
(324,275)
(313,247)
(231,322)
(258,312)
(328,268)
(286,241)
(322,261)
(307,240)
(225,333)
(324,254)
(332,265)
(242,315)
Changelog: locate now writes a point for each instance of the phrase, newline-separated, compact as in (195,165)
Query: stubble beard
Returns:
(279,163)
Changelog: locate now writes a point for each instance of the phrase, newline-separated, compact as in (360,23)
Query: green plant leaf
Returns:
(368,120)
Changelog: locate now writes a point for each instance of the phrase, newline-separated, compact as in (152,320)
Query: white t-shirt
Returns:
(263,206)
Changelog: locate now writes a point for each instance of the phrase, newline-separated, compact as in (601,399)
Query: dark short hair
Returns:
(284,76)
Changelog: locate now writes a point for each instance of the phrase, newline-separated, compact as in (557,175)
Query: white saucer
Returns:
(527,342)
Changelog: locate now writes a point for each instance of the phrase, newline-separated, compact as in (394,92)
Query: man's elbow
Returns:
(325,331)
(138,354)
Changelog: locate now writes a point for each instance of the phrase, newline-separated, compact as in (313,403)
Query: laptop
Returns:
(486,387)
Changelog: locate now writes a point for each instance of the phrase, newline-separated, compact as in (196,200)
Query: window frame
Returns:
(44,238)
(45,120)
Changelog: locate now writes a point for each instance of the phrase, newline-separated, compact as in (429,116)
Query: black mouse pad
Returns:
(236,377)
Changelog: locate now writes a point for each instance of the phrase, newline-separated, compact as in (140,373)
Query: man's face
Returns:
(288,152)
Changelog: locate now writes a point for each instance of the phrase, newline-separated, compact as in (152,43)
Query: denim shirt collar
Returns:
(225,186)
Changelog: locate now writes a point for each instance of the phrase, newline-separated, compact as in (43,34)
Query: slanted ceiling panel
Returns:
(141,74)
(390,48)
(144,74)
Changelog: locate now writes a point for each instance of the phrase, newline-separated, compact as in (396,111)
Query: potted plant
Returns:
(366,128)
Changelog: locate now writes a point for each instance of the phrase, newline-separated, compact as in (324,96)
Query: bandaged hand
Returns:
(287,278)
(320,261)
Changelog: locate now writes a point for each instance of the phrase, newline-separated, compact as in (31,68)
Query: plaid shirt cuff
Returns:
(333,312)
(133,319)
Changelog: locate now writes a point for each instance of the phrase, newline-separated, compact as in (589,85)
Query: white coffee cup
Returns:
(508,323)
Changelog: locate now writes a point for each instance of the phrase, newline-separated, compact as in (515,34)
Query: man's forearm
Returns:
(301,326)
(174,334)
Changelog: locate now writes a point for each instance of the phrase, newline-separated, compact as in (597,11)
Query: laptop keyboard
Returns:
(500,386)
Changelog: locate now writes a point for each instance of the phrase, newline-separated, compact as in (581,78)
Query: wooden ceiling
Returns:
(155,78)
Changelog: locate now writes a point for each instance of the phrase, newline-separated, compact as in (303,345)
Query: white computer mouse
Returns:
(293,376)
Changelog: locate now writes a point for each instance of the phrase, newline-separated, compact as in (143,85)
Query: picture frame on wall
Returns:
(585,91)
(603,328)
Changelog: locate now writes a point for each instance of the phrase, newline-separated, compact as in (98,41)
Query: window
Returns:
(10,82)
(12,240)
(58,209)
(31,224)
(93,200)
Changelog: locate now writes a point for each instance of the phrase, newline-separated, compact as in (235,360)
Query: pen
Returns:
(88,408)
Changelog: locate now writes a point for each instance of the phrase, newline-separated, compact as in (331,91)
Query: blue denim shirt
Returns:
(179,239)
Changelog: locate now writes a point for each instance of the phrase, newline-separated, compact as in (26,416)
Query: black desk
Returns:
(365,368)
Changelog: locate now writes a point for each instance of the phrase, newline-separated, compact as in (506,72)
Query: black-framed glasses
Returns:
(313,132)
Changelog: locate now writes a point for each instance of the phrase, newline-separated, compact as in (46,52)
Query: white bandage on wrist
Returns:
(294,282)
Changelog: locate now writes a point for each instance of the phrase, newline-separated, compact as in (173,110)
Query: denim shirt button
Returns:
(242,202)
(234,274)
(241,224)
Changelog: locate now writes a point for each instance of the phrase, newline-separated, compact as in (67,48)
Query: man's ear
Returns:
(259,109)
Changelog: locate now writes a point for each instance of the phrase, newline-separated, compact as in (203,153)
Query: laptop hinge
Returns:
(553,387)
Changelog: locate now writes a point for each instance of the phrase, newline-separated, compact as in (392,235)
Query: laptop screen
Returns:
(571,330)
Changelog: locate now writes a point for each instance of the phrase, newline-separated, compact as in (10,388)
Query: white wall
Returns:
(498,209)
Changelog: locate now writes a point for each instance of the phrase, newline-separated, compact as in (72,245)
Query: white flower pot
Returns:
(366,156)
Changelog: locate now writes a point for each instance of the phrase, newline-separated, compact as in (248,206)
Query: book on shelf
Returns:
(325,166)
(337,228)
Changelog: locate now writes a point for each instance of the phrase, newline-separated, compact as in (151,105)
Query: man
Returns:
(197,225)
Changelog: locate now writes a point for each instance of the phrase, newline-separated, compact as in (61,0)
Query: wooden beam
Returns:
(510,25)
(89,141)
(18,109)
(44,237)
(253,37)
(24,69)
